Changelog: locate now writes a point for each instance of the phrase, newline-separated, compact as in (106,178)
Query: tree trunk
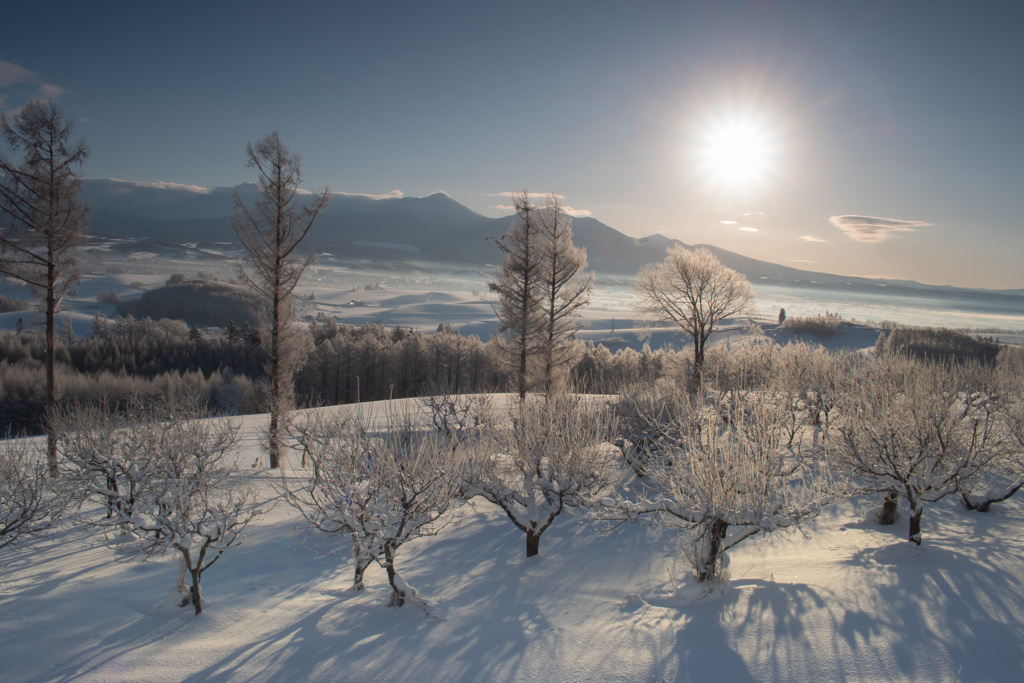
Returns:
(532,543)
(397,594)
(50,415)
(357,581)
(916,512)
(709,559)
(890,508)
(197,598)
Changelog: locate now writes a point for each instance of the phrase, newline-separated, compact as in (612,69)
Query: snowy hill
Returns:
(849,601)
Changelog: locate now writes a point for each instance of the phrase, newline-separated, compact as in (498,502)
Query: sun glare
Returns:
(736,153)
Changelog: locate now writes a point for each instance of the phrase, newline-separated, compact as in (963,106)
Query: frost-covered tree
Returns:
(550,455)
(30,503)
(42,221)
(564,291)
(271,232)
(731,476)
(917,431)
(1005,476)
(518,286)
(167,482)
(692,290)
(378,487)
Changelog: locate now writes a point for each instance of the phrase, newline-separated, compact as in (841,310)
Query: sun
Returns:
(736,152)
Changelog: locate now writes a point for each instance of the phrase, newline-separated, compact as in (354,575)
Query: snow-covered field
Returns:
(848,601)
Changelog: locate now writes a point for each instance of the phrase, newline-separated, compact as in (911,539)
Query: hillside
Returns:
(848,601)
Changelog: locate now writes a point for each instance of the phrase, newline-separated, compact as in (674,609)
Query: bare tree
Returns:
(694,291)
(271,233)
(730,476)
(379,489)
(519,293)
(43,221)
(564,290)
(551,455)
(29,502)
(167,482)
(918,431)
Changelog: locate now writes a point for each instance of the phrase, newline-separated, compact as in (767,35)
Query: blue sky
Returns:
(864,138)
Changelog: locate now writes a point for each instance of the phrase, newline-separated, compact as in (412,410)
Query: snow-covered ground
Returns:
(848,601)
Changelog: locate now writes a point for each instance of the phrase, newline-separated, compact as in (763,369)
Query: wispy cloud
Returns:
(48,91)
(535,195)
(122,186)
(12,73)
(394,194)
(567,210)
(728,222)
(873,229)
(747,228)
(812,238)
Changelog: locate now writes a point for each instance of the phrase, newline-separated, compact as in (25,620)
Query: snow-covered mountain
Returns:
(436,228)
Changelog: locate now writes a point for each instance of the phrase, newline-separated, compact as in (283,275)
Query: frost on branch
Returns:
(166,481)
(550,455)
(30,501)
(918,431)
(1005,476)
(731,475)
(378,488)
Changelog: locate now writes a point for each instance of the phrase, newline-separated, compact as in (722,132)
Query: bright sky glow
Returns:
(736,152)
(856,137)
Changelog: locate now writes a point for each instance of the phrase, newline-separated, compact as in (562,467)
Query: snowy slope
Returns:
(852,601)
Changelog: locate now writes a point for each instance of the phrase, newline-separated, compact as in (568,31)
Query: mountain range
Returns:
(433,229)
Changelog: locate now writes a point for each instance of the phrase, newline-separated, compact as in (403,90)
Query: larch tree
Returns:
(43,220)
(564,290)
(271,232)
(519,293)
(693,290)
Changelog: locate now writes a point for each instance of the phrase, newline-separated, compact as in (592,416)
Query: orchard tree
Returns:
(167,480)
(42,221)
(730,475)
(1006,476)
(379,487)
(694,291)
(549,456)
(271,232)
(518,287)
(30,503)
(918,431)
(564,291)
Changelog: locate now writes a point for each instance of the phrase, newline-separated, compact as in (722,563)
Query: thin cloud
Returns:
(873,229)
(567,210)
(48,91)
(746,228)
(728,222)
(812,238)
(12,73)
(394,194)
(511,195)
(576,213)
(158,185)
